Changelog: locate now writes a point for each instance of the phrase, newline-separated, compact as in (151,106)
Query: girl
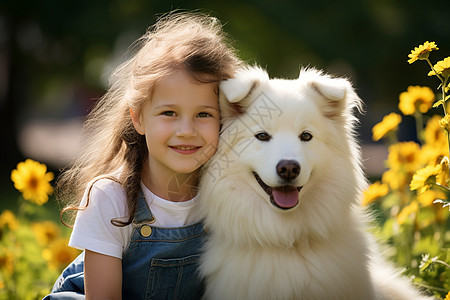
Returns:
(146,141)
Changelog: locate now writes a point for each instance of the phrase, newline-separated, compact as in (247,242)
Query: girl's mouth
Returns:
(185,149)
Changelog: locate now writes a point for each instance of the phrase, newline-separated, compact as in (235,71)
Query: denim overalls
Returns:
(159,263)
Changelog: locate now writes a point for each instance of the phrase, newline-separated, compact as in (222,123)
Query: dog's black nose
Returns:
(288,169)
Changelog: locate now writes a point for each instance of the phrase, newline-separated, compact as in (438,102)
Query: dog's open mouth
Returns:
(284,197)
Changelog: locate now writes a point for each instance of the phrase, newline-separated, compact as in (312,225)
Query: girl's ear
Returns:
(137,122)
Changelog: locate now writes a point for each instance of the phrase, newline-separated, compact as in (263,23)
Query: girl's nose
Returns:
(186,128)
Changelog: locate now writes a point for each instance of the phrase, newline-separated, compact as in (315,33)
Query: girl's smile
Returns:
(181,128)
(185,149)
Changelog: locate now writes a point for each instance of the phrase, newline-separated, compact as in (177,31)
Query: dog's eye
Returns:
(263,136)
(306,136)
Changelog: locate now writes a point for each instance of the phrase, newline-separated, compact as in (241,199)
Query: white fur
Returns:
(320,248)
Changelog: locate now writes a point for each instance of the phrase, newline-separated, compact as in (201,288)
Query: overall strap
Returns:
(143,213)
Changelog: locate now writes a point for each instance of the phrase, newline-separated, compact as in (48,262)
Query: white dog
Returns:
(281,196)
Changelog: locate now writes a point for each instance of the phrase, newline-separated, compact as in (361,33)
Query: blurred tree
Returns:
(9,96)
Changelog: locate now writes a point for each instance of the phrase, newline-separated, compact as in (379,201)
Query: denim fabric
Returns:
(162,265)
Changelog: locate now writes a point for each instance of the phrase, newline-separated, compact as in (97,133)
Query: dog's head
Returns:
(281,133)
(287,156)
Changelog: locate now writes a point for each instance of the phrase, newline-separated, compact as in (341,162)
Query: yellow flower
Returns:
(445,122)
(6,261)
(33,181)
(436,144)
(441,68)
(426,198)
(416,98)
(404,156)
(373,192)
(387,125)
(425,178)
(45,232)
(59,254)
(433,154)
(395,180)
(448,296)
(434,133)
(407,211)
(7,218)
(422,52)
(442,178)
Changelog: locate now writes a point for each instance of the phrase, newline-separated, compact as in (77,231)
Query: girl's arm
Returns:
(102,276)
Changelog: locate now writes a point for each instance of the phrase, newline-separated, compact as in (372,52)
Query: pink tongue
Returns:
(286,196)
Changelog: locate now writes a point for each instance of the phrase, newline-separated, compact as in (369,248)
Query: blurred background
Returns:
(56,56)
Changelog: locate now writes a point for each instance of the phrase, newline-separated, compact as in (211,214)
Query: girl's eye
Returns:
(263,136)
(204,115)
(168,113)
(306,136)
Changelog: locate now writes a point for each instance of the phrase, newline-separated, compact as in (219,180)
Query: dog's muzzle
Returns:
(284,197)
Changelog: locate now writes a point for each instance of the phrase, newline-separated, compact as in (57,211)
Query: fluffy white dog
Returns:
(282,194)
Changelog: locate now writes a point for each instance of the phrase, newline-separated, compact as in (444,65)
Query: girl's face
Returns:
(181,126)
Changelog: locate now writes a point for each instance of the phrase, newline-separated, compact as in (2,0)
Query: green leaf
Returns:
(437,103)
(427,244)
(425,263)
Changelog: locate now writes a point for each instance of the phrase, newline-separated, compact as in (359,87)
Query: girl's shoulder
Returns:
(106,183)
(103,201)
(104,188)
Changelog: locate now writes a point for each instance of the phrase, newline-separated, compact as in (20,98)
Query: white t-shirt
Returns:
(93,229)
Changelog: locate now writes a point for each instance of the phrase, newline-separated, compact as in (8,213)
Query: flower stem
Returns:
(444,188)
(421,284)
(443,263)
(392,138)
(444,105)
(419,126)
(432,68)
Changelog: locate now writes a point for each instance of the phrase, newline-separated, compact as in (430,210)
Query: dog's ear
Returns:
(237,93)
(338,98)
